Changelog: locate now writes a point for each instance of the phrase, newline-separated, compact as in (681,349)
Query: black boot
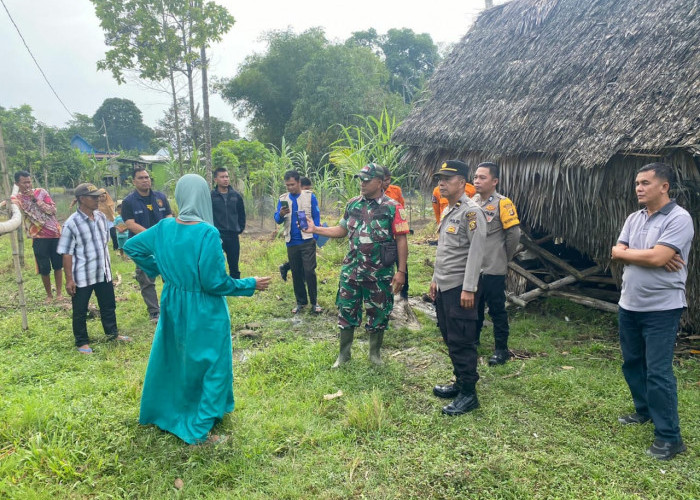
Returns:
(447,391)
(376,339)
(346,338)
(465,402)
(500,356)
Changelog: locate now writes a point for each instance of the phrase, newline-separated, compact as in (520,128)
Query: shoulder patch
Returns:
(508,213)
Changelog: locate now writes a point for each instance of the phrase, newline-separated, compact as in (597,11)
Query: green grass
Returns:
(69,423)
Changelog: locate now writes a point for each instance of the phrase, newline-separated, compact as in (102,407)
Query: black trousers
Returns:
(302,262)
(104,292)
(232,249)
(113,235)
(458,328)
(492,288)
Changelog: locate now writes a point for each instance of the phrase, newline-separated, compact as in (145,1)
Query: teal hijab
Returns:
(193,199)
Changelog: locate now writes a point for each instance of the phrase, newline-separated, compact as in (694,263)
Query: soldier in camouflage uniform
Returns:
(373,222)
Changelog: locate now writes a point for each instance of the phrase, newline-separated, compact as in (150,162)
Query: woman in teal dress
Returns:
(189,380)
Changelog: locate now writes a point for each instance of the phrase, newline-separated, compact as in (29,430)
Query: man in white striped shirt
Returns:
(87,266)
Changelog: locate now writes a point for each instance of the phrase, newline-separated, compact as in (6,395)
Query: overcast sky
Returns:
(67,41)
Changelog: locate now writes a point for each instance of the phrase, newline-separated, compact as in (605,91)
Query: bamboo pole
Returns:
(13,236)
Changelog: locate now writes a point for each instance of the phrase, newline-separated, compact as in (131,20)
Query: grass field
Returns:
(547,427)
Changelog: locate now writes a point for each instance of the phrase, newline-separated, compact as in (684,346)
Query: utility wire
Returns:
(35,61)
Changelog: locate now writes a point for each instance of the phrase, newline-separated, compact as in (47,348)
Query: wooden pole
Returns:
(13,236)
(586,301)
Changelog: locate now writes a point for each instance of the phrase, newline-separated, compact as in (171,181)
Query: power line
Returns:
(35,61)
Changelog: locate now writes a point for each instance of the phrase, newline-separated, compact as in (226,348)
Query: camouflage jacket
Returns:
(369,224)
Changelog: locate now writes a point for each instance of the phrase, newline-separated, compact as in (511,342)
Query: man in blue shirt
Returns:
(301,247)
(653,245)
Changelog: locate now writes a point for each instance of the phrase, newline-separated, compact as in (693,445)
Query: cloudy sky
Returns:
(65,38)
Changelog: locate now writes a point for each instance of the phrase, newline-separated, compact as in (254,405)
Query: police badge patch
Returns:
(471,218)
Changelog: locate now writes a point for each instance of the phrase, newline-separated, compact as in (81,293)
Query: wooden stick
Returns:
(527,275)
(13,236)
(533,294)
(586,301)
(550,257)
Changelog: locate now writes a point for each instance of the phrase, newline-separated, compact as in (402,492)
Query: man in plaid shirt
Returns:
(86,263)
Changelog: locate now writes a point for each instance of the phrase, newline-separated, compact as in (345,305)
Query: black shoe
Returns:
(462,404)
(447,391)
(663,450)
(633,418)
(500,356)
(284,269)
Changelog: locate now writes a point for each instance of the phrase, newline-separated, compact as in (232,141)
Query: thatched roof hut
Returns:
(571,97)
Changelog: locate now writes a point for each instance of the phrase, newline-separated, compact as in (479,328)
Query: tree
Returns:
(157,39)
(83,126)
(21,137)
(123,124)
(336,86)
(267,85)
(410,58)
(222,131)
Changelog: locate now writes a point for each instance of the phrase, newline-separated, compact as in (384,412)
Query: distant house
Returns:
(571,97)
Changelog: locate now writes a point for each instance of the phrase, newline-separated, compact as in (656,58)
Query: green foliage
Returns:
(359,145)
(124,126)
(173,169)
(69,423)
(338,85)
(267,85)
(83,126)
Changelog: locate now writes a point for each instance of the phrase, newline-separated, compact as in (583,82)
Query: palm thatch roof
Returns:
(581,78)
(571,97)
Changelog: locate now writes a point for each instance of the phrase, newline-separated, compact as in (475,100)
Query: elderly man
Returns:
(377,228)
(43,228)
(653,245)
(142,209)
(460,252)
(502,239)
(87,265)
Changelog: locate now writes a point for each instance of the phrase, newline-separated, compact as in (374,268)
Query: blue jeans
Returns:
(647,340)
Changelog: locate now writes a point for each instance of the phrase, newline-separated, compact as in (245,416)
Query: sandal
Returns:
(316,309)
(297,309)
(122,338)
(84,350)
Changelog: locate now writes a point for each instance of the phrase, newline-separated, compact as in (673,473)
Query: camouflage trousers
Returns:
(377,297)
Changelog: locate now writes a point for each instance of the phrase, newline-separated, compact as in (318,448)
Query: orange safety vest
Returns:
(440,203)
(394,192)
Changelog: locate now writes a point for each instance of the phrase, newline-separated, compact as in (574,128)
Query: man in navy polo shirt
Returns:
(141,209)
(654,245)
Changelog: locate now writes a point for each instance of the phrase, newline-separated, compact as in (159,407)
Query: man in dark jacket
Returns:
(229,218)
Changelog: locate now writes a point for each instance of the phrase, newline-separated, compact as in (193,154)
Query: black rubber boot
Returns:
(376,339)
(346,337)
